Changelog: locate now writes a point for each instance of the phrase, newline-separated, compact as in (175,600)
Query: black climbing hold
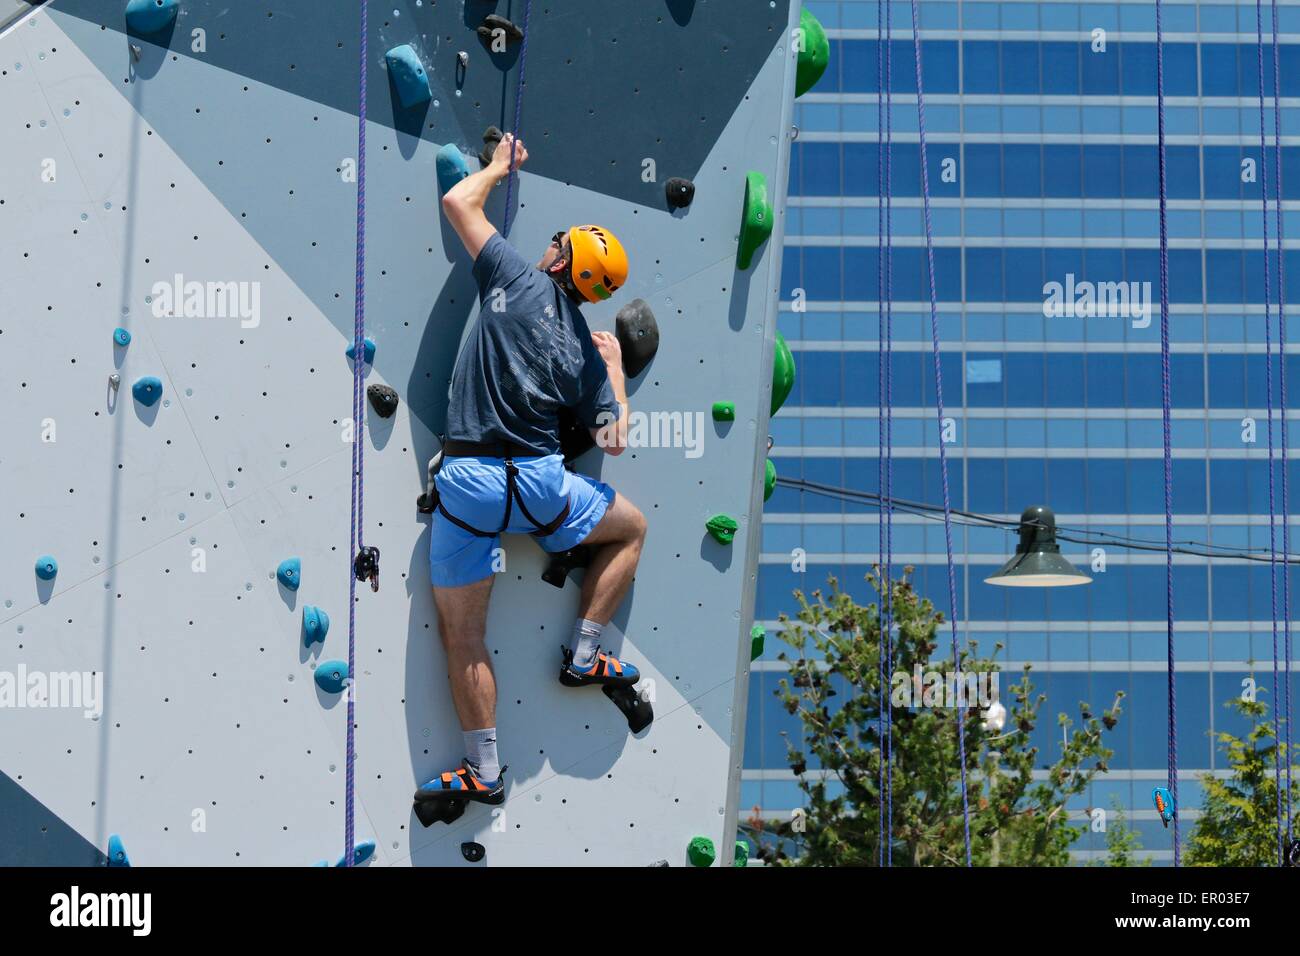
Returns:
(473,852)
(366,566)
(638,336)
(563,562)
(491,137)
(383,400)
(638,712)
(429,812)
(658,863)
(491,24)
(575,437)
(680,192)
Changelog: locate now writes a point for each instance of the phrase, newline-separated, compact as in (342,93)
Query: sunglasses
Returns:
(558,238)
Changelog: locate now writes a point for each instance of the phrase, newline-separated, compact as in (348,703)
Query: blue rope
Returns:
(889,414)
(943,455)
(519,102)
(1168,443)
(358,445)
(1281,351)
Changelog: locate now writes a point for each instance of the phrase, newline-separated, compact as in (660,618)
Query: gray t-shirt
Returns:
(522,364)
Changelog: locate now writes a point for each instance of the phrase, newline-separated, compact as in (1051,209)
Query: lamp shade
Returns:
(1038,562)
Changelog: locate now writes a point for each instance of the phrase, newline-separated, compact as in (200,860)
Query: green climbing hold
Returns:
(756,219)
(723,528)
(742,854)
(757,635)
(701,852)
(814,53)
(769,480)
(782,372)
(724,411)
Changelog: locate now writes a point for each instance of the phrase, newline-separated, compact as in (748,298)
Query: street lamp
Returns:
(1038,562)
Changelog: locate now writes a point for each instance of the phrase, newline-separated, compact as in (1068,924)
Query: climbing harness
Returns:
(507,452)
(1168,442)
(943,455)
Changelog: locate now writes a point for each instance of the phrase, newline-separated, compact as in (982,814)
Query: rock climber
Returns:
(528,355)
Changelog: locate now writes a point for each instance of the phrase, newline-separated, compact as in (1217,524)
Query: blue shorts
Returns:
(474,490)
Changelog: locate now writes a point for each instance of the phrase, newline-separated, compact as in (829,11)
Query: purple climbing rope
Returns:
(1168,443)
(519,102)
(943,455)
(1282,403)
(358,445)
(888,372)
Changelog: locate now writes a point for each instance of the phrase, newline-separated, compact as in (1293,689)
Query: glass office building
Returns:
(1043,116)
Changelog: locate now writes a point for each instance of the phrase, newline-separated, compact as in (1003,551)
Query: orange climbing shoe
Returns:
(444,798)
(605,670)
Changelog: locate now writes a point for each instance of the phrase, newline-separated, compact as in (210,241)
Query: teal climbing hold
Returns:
(756,219)
(360,853)
(369,348)
(117,852)
(289,573)
(700,851)
(121,337)
(331,676)
(451,167)
(408,76)
(150,16)
(757,637)
(315,625)
(46,567)
(147,390)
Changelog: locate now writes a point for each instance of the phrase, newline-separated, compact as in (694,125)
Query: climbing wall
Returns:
(217,160)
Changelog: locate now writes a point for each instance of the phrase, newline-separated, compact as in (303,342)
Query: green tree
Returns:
(1014,819)
(1239,819)
(1122,842)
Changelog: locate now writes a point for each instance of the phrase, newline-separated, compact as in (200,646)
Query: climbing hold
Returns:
(701,852)
(638,711)
(723,528)
(755,220)
(769,479)
(46,567)
(383,400)
(150,16)
(360,853)
(121,337)
(757,635)
(408,76)
(289,573)
(724,411)
(472,852)
(782,372)
(487,32)
(680,192)
(462,60)
(563,562)
(147,390)
(742,854)
(491,136)
(814,53)
(368,347)
(1164,802)
(658,863)
(315,625)
(575,437)
(638,336)
(366,566)
(117,852)
(450,166)
(331,676)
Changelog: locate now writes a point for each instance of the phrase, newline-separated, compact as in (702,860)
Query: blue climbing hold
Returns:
(451,167)
(117,852)
(121,337)
(369,350)
(331,676)
(360,853)
(315,625)
(409,78)
(289,573)
(148,390)
(46,567)
(150,16)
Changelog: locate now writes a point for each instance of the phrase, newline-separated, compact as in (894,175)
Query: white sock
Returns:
(586,639)
(481,752)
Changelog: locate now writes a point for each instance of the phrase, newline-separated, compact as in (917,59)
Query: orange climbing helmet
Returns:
(599,264)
